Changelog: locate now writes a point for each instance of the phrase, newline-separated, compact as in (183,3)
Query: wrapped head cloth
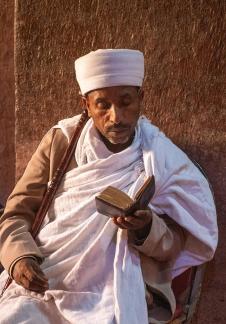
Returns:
(109,67)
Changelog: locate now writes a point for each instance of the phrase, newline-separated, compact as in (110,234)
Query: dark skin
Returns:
(115,112)
(29,275)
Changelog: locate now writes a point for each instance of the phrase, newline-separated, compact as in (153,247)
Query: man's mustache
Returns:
(117,127)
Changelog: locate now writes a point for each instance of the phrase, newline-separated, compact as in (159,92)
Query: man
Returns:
(85,267)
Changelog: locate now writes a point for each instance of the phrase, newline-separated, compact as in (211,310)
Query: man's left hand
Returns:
(139,223)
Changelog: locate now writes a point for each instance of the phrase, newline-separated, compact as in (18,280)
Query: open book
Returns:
(114,202)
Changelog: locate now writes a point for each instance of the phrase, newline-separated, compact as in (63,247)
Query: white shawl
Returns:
(95,276)
(182,192)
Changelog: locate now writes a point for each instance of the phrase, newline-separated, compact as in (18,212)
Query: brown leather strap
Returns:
(60,171)
(54,185)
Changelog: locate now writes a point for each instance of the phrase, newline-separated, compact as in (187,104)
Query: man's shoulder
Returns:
(57,138)
(60,134)
(150,132)
(155,140)
(56,141)
(65,127)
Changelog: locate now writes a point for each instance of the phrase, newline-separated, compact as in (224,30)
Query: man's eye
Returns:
(126,103)
(103,105)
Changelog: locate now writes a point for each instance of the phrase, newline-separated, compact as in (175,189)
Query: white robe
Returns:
(94,276)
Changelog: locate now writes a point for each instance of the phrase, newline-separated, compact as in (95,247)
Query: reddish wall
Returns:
(184,47)
(7,104)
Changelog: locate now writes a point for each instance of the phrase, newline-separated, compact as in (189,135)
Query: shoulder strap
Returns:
(54,185)
(60,171)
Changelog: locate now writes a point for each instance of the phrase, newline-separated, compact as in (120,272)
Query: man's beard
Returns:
(117,129)
(115,141)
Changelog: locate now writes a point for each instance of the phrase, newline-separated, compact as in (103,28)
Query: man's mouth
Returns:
(119,133)
(118,130)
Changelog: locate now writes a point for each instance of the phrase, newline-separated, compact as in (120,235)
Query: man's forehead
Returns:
(113,91)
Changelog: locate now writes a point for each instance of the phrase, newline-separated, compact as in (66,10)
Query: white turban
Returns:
(109,67)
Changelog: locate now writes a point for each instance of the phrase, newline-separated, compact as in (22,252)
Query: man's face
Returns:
(115,111)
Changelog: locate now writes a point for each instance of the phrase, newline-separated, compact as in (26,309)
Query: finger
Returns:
(123,224)
(134,221)
(144,214)
(31,285)
(118,222)
(35,285)
(34,278)
(129,222)
(34,270)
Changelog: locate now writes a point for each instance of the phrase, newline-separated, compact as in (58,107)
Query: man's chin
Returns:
(118,141)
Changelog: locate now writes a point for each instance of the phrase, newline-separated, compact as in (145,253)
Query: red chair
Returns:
(187,289)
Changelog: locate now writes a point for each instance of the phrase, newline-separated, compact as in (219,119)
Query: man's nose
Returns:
(116,114)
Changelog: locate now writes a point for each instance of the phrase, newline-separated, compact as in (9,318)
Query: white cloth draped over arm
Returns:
(183,193)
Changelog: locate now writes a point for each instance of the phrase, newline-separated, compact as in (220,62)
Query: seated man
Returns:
(85,267)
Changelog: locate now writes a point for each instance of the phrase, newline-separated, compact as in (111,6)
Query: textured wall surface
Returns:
(184,47)
(7,106)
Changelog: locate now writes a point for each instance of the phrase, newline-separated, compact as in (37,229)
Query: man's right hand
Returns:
(27,273)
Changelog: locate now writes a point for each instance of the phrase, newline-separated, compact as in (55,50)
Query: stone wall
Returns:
(7,104)
(184,47)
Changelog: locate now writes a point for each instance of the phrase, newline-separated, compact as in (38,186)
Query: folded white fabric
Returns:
(109,67)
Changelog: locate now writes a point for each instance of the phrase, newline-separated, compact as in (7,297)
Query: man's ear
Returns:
(141,94)
(85,104)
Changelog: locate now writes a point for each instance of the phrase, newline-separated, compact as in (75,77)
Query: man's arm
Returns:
(22,205)
(158,237)
(19,253)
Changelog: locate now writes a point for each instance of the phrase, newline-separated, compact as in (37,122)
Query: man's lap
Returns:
(26,309)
